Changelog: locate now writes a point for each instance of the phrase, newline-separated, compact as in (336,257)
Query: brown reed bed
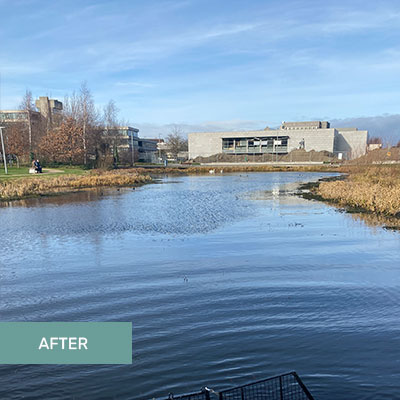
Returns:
(39,186)
(374,189)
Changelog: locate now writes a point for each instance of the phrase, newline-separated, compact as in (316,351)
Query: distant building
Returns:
(34,122)
(50,109)
(30,122)
(312,135)
(131,147)
(148,151)
(374,146)
(165,152)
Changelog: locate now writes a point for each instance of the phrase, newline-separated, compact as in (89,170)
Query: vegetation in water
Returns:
(375,189)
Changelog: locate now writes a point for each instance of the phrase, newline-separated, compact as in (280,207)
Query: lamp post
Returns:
(4,152)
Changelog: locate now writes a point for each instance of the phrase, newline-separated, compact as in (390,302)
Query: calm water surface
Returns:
(226,279)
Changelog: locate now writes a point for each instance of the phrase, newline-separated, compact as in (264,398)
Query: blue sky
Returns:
(219,64)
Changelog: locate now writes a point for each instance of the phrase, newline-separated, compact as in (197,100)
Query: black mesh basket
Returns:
(203,395)
(282,387)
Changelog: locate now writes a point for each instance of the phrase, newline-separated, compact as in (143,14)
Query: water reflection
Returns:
(375,221)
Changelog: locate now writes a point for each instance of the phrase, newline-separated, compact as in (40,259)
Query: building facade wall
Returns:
(311,135)
(351,142)
(314,139)
(205,144)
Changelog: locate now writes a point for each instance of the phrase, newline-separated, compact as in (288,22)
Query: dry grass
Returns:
(262,168)
(28,187)
(194,170)
(375,189)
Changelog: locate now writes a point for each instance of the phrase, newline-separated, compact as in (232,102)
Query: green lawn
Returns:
(23,172)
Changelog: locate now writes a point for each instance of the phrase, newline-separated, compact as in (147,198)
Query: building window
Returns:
(227,143)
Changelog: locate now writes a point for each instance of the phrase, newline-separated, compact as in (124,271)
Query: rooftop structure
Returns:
(50,109)
(305,125)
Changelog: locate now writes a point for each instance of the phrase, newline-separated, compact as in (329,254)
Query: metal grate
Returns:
(203,395)
(283,387)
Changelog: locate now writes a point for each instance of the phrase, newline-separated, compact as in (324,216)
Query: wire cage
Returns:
(203,395)
(282,387)
(288,386)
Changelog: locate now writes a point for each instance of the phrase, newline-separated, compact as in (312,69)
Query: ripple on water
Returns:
(226,279)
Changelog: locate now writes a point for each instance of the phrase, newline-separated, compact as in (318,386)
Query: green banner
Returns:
(65,342)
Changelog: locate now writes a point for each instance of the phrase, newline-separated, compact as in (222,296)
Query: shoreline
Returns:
(25,188)
(338,191)
(341,192)
(36,186)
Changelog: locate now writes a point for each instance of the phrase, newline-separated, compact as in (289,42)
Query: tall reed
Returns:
(375,189)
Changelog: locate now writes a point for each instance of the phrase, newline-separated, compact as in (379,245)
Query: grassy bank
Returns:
(23,172)
(375,189)
(38,185)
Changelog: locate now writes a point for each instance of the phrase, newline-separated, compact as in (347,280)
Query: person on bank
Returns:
(37,166)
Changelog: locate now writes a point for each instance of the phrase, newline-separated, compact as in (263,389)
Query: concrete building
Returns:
(27,121)
(374,146)
(345,143)
(50,109)
(131,147)
(49,112)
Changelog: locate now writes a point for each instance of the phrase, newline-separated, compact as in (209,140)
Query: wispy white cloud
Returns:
(162,130)
(82,12)
(197,60)
(226,30)
(384,126)
(135,84)
(21,68)
(346,21)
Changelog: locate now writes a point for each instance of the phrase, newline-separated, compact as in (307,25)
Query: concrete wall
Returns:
(315,139)
(351,142)
(206,144)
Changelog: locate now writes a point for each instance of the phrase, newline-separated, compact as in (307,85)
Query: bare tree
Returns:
(86,109)
(375,140)
(110,121)
(71,106)
(110,115)
(86,132)
(27,102)
(81,121)
(176,141)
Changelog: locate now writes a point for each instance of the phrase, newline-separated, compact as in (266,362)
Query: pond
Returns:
(227,279)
